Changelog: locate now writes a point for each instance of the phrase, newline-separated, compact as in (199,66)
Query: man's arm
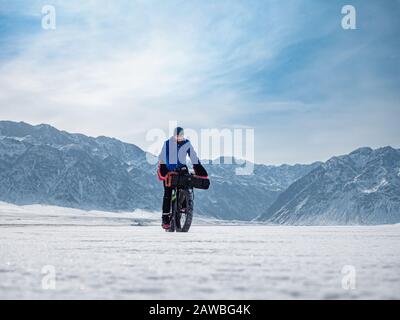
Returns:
(193,155)
(197,166)
(162,160)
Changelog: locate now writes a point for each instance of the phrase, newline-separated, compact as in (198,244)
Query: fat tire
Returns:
(185,196)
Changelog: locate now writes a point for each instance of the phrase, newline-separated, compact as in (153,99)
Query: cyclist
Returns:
(173,158)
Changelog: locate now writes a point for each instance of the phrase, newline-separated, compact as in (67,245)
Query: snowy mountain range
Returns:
(40,164)
(43,165)
(362,187)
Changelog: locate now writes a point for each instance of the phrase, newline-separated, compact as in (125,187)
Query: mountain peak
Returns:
(45,126)
(227,160)
(386,149)
(362,150)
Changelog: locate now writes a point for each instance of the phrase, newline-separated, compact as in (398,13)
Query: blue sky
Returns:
(309,89)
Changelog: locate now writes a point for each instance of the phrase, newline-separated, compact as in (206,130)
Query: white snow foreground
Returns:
(11,214)
(60,253)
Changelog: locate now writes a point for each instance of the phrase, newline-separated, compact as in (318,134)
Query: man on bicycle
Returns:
(173,158)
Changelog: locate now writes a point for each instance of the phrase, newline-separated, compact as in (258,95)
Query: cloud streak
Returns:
(287,69)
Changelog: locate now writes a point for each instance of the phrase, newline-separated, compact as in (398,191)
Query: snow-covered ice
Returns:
(108,255)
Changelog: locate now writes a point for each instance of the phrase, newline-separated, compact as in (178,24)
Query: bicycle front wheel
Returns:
(184,212)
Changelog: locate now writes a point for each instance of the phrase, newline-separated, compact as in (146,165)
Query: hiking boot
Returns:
(166,220)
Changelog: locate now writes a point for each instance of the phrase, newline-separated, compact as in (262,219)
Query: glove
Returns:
(162,171)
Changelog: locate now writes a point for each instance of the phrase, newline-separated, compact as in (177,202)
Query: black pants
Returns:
(166,207)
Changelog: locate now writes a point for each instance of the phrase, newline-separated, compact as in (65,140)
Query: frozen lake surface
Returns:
(108,259)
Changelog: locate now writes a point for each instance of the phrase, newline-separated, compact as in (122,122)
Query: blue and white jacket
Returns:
(174,154)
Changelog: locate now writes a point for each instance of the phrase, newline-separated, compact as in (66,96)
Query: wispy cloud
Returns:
(285,68)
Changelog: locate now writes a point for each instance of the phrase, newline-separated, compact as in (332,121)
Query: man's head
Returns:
(179,134)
